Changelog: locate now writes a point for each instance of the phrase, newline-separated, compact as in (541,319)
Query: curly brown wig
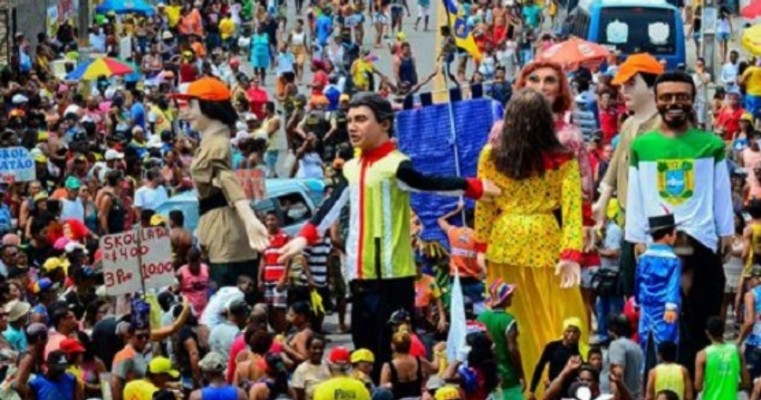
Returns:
(528,133)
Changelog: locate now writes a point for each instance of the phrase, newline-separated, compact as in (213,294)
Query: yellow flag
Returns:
(463,36)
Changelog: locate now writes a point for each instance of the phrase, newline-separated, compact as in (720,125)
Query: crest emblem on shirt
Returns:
(676,180)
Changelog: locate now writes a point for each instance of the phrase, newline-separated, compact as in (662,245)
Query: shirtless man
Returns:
(180,238)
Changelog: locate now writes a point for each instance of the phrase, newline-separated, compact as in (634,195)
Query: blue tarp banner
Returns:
(424,134)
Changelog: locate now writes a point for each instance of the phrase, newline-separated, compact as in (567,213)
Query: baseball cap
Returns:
(73,183)
(339,355)
(167,35)
(209,89)
(635,64)
(755,271)
(234,61)
(57,358)
(112,154)
(746,117)
(71,346)
(213,362)
(362,355)
(162,365)
(448,393)
(344,97)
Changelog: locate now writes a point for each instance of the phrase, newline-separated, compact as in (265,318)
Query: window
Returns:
(638,29)
(294,209)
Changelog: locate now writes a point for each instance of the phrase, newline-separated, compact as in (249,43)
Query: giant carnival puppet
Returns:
(682,170)
(519,232)
(376,186)
(636,76)
(228,230)
(549,79)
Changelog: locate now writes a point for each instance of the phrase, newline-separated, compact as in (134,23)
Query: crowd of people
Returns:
(614,248)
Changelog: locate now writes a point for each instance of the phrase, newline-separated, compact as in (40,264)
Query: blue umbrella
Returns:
(125,7)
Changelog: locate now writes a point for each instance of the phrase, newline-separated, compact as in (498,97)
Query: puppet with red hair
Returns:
(548,78)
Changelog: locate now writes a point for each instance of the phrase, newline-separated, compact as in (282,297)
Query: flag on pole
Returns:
(463,37)
(457,324)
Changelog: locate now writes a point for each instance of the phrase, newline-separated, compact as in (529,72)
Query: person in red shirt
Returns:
(728,121)
(257,98)
(609,115)
(273,274)
(188,70)
(320,79)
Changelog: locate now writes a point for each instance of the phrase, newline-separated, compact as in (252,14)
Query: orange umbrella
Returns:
(574,53)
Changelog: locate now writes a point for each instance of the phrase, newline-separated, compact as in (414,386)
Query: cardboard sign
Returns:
(252,182)
(16,165)
(130,256)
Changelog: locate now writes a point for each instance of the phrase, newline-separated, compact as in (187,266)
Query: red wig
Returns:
(564,100)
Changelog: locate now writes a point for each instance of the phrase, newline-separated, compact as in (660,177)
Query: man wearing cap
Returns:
(636,76)
(18,313)
(55,383)
(681,170)
(71,205)
(213,367)
(112,160)
(341,385)
(160,372)
(379,255)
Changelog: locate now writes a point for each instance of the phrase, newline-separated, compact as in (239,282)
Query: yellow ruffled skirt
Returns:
(540,307)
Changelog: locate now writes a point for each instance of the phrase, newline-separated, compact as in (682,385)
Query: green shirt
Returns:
(499,323)
(722,373)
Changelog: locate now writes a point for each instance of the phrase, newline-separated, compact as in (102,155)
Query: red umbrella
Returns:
(574,53)
(752,10)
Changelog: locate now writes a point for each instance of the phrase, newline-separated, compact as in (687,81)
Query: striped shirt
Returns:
(317,259)
(273,270)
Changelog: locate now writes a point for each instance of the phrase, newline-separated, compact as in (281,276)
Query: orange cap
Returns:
(636,63)
(209,89)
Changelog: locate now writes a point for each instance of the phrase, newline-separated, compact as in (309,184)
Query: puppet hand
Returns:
(570,274)
(292,248)
(491,190)
(257,234)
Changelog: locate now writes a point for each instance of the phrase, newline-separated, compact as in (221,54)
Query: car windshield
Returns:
(638,29)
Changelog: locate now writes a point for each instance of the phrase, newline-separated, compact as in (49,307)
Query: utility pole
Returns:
(708,31)
(708,49)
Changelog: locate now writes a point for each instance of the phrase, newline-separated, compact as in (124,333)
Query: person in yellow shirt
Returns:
(341,385)
(751,80)
(227,31)
(159,373)
(172,13)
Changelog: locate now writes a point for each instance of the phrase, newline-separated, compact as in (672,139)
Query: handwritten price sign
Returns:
(121,253)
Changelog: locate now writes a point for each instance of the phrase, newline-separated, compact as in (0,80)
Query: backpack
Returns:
(605,282)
